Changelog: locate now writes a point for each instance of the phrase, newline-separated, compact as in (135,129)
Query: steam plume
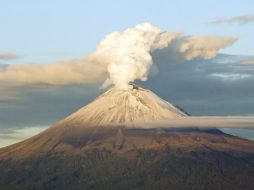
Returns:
(127,54)
(124,56)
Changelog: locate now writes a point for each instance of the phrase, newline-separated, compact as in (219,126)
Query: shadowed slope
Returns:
(113,158)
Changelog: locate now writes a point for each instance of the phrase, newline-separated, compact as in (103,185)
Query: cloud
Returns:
(8,94)
(8,55)
(206,47)
(120,58)
(245,133)
(246,122)
(59,73)
(248,61)
(230,76)
(193,86)
(17,135)
(243,19)
(227,124)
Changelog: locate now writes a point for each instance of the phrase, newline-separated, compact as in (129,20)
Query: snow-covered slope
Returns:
(124,106)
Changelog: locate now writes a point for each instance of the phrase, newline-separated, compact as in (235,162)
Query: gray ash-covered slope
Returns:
(84,151)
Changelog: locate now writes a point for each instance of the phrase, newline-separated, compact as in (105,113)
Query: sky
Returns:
(50,30)
(65,32)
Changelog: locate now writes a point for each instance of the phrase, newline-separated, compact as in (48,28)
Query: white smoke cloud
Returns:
(203,46)
(123,56)
(127,54)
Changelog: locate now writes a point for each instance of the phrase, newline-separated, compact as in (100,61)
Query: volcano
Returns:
(124,106)
(94,149)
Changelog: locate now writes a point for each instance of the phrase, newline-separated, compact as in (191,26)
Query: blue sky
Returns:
(50,30)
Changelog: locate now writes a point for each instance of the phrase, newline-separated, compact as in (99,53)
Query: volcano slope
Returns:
(122,158)
(83,152)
